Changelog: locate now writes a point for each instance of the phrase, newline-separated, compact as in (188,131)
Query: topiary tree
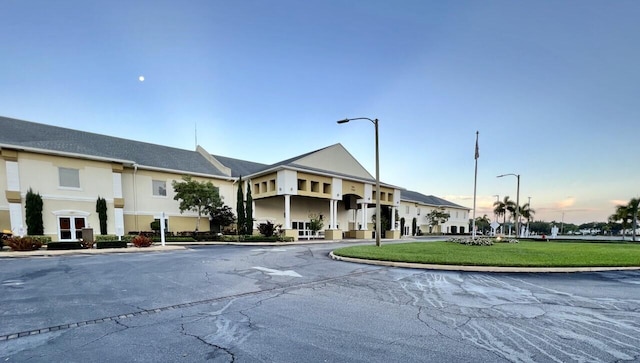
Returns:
(402,222)
(249,211)
(414,226)
(240,209)
(101,209)
(33,213)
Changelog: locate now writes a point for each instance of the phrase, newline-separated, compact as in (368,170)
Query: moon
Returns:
(141,78)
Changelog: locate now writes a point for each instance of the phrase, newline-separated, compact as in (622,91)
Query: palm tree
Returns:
(622,214)
(527,213)
(501,207)
(633,210)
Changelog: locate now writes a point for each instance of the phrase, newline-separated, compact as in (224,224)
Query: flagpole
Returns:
(475,183)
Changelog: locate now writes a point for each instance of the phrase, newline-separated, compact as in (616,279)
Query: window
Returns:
(326,188)
(159,188)
(315,186)
(256,188)
(272,185)
(302,184)
(69,178)
(264,187)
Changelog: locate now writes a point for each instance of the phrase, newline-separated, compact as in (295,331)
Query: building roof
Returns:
(240,167)
(30,135)
(411,196)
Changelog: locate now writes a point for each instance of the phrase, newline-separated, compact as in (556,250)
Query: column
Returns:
(332,217)
(287,211)
(13,192)
(364,216)
(393,218)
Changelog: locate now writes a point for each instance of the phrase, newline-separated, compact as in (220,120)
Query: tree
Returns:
(483,223)
(221,217)
(315,223)
(621,214)
(501,207)
(633,209)
(414,226)
(33,213)
(101,209)
(437,217)
(249,211)
(402,222)
(240,209)
(196,196)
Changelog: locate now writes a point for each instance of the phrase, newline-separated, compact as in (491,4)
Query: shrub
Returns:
(141,241)
(111,244)
(482,241)
(66,245)
(42,239)
(267,229)
(26,243)
(173,239)
(86,244)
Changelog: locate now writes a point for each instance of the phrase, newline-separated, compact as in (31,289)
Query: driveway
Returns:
(294,304)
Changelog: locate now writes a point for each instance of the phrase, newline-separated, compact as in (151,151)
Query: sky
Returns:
(552,87)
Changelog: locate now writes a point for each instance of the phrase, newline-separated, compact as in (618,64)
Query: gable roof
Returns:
(411,196)
(331,160)
(40,137)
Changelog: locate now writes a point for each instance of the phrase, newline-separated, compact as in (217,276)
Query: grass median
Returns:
(523,254)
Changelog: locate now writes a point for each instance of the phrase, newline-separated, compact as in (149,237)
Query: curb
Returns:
(86,252)
(480,268)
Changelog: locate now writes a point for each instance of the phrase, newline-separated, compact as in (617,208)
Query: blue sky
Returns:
(553,87)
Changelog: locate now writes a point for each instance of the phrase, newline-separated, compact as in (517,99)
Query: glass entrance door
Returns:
(70,228)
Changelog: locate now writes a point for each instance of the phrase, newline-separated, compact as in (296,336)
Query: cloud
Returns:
(618,202)
(565,203)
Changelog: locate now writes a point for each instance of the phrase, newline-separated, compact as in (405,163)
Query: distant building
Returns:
(70,169)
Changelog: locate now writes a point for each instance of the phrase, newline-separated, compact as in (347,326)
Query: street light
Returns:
(517,201)
(378,216)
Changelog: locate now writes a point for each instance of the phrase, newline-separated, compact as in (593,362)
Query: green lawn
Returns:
(523,254)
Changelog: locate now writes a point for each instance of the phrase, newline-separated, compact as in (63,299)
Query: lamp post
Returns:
(517,201)
(378,216)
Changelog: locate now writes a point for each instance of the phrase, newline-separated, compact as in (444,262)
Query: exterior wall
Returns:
(40,173)
(137,191)
(264,186)
(459,218)
(271,209)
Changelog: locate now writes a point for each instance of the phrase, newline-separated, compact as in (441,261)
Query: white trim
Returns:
(70,213)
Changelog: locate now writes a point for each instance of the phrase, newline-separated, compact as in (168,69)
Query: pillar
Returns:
(287,211)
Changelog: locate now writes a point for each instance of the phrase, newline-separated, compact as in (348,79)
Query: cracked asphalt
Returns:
(211,303)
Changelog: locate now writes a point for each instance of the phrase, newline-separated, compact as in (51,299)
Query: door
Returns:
(70,228)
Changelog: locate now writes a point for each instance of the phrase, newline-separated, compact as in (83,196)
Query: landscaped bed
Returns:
(523,254)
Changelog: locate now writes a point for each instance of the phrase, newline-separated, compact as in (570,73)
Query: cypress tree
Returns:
(249,211)
(101,209)
(33,214)
(240,209)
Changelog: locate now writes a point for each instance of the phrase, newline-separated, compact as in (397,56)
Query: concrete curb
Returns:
(479,268)
(92,251)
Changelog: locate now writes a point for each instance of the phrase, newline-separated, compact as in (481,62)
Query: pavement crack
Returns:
(211,355)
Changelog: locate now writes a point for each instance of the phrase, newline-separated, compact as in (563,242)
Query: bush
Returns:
(86,244)
(111,244)
(26,243)
(482,241)
(141,241)
(174,239)
(267,229)
(66,245)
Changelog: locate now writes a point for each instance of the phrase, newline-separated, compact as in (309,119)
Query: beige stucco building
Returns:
(70,169)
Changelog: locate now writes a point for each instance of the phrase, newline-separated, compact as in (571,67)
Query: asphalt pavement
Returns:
(293,303)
